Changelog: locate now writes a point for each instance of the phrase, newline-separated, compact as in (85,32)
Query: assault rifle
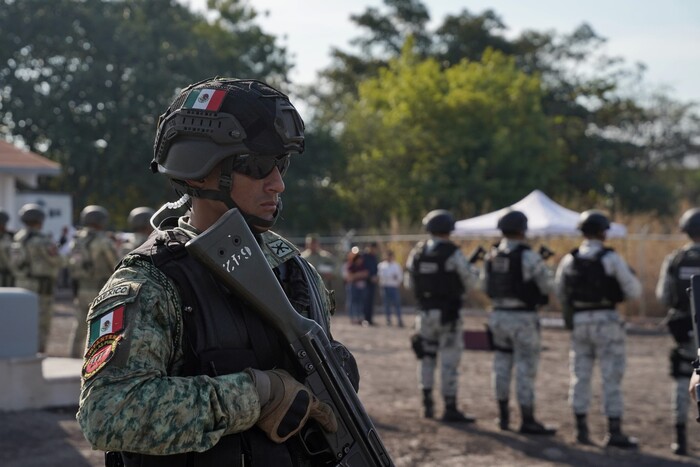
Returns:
(545,252)
(230,251)
(477,255)
(694,292)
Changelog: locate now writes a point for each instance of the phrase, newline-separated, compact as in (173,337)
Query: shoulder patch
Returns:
(99,353)
(279,247)
(108,323)
(121,290)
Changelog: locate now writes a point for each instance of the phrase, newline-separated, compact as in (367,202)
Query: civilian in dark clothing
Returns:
(371,262)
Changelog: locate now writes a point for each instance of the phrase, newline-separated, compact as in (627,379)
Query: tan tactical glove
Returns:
(286,405)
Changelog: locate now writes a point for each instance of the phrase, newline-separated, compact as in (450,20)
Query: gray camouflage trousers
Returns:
(443,341)
(520,332)
(601,335)
(680,397)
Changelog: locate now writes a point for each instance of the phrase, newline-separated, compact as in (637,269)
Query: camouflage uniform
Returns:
(185,414)
(6,277)
(440,337)
(672,277)
(38,274)
(98,269)
(598,333)
(516,334)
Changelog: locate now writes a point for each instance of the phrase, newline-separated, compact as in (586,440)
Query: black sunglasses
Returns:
(259,167)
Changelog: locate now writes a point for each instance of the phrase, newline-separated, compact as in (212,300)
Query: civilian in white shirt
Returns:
(390,277)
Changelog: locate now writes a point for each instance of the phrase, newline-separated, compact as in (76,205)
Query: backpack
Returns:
(80,262)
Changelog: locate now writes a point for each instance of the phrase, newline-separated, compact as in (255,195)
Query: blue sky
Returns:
(664,35)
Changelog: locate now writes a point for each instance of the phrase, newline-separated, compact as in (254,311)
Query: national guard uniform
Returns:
(139,222)
(589,282)
(35,264)
(321,259)
(6,277)
(167,340)
(439,274)
(671,290)
(92,259)
(517,281)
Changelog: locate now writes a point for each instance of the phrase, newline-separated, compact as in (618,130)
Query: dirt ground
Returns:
(390,395)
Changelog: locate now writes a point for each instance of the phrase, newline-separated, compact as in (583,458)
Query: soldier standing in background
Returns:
(92,258)
(517,281)
(371,262)
(35,263)
(671,291)
(323,260)
(6,277)
(590,281)
(139,222)
(439,275)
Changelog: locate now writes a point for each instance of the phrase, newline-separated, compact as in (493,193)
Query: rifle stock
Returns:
(694,292)
(231,253)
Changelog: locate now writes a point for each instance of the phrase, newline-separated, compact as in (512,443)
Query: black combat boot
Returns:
(680,447)
(530,426)
(582,429)
(503,415)
(428,403)
(615,437)
(452,414)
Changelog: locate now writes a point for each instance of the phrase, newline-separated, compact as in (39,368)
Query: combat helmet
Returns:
(221,120)
(140,218)
(512,222)
(94,216)
(439,221)
(690,222)
(593,221)
(31,214)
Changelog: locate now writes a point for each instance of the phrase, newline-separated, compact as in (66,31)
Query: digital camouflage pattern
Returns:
(598,334)
(102,260)
(38,274)
(137,402)
(520,333)
(6,276)
(445,340)
(516,334)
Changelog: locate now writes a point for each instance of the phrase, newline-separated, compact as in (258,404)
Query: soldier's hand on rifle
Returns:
(286,405)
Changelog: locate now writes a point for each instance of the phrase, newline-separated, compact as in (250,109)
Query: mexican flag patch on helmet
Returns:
(205,99)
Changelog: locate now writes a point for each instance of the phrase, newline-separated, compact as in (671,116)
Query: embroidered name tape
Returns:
(117,291)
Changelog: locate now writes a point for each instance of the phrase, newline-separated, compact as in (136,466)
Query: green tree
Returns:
(84,82)
(420,137)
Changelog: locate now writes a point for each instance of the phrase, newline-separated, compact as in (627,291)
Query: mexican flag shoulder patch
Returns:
(108,323)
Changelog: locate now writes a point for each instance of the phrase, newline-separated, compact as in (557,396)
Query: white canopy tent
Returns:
(544,217)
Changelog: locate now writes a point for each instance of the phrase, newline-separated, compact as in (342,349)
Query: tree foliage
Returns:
(84,83)
(421,137)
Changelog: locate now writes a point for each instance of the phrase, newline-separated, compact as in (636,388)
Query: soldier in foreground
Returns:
(517,281)
(439,275)
(6,277)
(35,263)
(180,371)
(91,261)
(590,282)
(671,291)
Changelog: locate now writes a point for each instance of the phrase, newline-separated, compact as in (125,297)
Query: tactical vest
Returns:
(684,265)
(222,336)
(505,279)
(588,287)
(434,287)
